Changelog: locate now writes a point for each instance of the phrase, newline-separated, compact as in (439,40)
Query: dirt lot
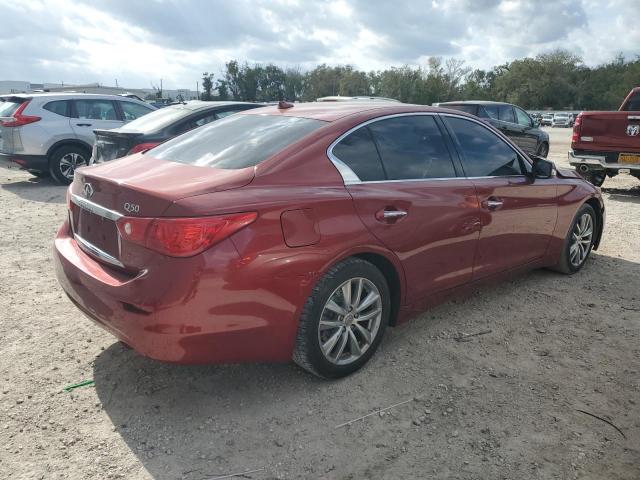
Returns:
(503,405)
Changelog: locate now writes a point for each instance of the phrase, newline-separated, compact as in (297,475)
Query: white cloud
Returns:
(140,42)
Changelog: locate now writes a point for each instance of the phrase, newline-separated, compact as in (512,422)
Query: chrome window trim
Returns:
(349,177)
(102,255)
(95,208)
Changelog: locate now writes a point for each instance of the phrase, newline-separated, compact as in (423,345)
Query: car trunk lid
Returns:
(136,186)
(112,144)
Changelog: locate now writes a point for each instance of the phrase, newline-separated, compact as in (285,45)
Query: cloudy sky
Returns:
(140,41)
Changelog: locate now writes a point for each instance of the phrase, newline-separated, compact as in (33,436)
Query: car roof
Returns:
(66,95)
(475,102)
(332,111)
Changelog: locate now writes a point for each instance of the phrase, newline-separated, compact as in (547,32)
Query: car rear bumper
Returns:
(593,161)
(180,310)
(27,162)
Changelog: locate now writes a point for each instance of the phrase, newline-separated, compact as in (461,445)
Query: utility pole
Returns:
(116,83)
(197,92)
(160,88)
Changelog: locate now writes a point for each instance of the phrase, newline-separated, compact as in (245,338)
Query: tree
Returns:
(207,86)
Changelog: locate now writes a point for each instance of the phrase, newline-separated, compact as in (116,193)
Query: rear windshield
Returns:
(237,141)
(158,119)
(472,109)
(7,107)
(633,104)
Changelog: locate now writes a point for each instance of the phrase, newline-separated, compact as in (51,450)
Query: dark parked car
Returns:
(159,126)
(511,120)
(302,232)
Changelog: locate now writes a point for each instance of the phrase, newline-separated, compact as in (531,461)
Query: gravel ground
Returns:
(502,405)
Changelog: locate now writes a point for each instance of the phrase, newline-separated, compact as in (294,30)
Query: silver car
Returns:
(52,133)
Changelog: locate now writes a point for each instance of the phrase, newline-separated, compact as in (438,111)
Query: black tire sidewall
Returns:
(329,283)
(566,256)
(56,156)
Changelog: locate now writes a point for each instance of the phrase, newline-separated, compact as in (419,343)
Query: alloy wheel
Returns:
(69,162)
(581,239)
(350,321)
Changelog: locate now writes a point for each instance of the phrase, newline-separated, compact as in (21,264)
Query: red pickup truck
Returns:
(608,143)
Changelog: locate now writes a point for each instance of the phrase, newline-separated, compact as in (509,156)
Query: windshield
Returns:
(561,115)
(237,141)
(157,119)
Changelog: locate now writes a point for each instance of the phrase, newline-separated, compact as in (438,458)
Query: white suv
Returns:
(53,132)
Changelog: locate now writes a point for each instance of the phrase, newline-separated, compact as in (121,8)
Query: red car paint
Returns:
(241,299)
(606,132)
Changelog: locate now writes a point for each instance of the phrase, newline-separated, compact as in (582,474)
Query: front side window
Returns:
(96,110)
(522,118)
(359,153)
(59,107)
(238,141)
(505,113)
(484,154)
(226,113)
(412,147)
(133,110)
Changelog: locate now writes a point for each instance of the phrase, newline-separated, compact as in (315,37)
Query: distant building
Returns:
(14,86)
(10,86)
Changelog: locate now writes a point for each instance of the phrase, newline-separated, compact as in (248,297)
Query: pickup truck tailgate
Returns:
(613,131)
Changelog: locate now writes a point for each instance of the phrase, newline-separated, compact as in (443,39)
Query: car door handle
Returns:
(388,215)
(84,124)
(492,203)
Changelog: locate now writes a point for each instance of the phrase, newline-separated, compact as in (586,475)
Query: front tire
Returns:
(64,161)
(343,320)
(543,150)
(579,241)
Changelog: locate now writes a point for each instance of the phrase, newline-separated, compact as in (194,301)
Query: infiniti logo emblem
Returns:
(87,189)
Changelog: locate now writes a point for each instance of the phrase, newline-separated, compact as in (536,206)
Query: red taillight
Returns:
(182,237)
(577,126)
(141,147)
(18,119)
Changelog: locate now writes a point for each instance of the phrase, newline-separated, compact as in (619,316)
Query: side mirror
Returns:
(542,168)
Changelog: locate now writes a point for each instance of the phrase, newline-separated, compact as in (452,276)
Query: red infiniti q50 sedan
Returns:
(302,231)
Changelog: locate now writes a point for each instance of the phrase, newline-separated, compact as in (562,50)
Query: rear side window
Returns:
(96,109)
(412,147)
(484,153)
(523,118)
(238,141)
(132,110)
(505,113)
(491,111)
(59,107)
(472,109)
(8,108)
(359,153)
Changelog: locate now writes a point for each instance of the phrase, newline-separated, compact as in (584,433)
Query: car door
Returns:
(90,114)
(407,191)
(526,134)
(518,214)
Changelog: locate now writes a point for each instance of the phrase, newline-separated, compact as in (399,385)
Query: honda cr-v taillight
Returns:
(141,147)
(18,119)
(182,237)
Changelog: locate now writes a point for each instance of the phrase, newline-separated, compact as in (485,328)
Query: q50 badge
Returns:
(132,207)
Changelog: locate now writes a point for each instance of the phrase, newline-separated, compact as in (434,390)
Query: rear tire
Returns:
(579,241)
(64,161)
(595,177)
(343,320)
